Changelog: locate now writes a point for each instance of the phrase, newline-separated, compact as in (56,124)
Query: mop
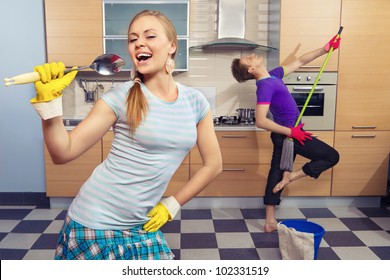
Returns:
(287,160)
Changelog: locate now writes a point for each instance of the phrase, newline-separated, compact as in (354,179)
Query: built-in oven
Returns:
(320,111)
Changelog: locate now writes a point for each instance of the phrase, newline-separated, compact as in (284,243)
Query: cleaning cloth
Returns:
(295,245)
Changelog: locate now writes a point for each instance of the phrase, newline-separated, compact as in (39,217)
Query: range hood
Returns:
(231,29)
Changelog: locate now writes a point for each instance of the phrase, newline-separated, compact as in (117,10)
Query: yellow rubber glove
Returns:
(48,99)
(163,212)
(53,81)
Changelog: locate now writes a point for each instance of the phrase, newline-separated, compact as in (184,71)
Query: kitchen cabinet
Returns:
(246,162)
(246,157)
(65,180)
(363,166)
(74,31)
(306,26)
(363,100)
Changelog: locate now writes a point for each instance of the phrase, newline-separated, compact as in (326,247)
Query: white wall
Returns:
(21,141)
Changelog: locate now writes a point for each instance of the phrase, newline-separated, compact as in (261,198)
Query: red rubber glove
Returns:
(298,134)
(333,43)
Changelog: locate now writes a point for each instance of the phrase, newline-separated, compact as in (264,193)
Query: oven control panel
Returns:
(308,78)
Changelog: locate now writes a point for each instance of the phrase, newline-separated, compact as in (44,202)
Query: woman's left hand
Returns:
(163,212)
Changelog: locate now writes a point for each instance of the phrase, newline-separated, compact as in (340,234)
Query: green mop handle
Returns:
(318,78)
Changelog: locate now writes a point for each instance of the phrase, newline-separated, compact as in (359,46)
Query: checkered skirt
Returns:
(77,242)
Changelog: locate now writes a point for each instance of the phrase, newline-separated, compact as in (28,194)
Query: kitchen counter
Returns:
(71,123)
(238,128)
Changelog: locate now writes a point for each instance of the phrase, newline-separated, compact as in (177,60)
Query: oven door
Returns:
(320,111)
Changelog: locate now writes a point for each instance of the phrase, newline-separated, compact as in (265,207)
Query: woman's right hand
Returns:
(48,99)
(52,82)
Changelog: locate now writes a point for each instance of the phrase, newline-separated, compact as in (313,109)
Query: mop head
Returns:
(287,160)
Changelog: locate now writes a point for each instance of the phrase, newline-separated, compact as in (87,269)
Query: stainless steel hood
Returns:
(231,29)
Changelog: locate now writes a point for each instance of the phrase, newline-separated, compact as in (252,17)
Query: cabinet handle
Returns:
(363,126)
(363,136)
(233,169)
(233,136)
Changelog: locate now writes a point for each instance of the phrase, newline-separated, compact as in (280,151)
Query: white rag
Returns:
(295,245)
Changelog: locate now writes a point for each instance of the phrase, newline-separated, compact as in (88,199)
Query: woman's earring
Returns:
(170,66)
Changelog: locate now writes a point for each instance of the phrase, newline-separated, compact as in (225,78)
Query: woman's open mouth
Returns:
(143,57)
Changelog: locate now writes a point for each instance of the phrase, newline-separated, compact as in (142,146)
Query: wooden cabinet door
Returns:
(179,178)
(363,98)
(236,180)
(65,180)
(74,31)
(306,26)
(246,156)
(363,166)
(241,147)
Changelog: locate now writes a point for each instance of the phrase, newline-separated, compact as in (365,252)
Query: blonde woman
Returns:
(118,211)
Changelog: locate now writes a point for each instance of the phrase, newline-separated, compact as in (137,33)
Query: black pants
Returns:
(321,155)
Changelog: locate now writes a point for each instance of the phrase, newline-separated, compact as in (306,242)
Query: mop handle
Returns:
(318,78)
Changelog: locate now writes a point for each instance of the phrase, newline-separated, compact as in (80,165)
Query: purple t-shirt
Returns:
(274,92)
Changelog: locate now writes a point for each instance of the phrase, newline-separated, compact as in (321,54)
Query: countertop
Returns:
(71,123)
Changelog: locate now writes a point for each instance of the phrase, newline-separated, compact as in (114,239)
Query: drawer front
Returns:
(359,188)
(361,171)
(69,172)
(238,156)
(182,173)
(238,139)
(250,180)
(92,156)
(234,188)
(308,187)
(233,172)
(63,188)
(65,180)
(179,179)
(364,139)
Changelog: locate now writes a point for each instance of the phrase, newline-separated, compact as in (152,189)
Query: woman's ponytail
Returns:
(137,106)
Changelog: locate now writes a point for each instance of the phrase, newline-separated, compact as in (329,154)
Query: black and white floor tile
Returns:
(352,233)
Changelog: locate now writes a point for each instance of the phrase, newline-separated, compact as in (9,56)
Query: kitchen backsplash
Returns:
(206,68)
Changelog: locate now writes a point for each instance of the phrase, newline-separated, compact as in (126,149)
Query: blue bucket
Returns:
(308,227)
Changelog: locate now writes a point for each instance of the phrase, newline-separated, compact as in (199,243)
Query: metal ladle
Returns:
(105,64)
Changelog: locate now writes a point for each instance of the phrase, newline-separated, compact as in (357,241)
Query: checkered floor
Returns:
(29,232)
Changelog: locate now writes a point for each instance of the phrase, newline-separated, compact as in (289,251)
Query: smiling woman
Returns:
(156,121)
(150,34)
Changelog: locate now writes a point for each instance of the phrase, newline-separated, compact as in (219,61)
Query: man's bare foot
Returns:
(271,226)
(285,181)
